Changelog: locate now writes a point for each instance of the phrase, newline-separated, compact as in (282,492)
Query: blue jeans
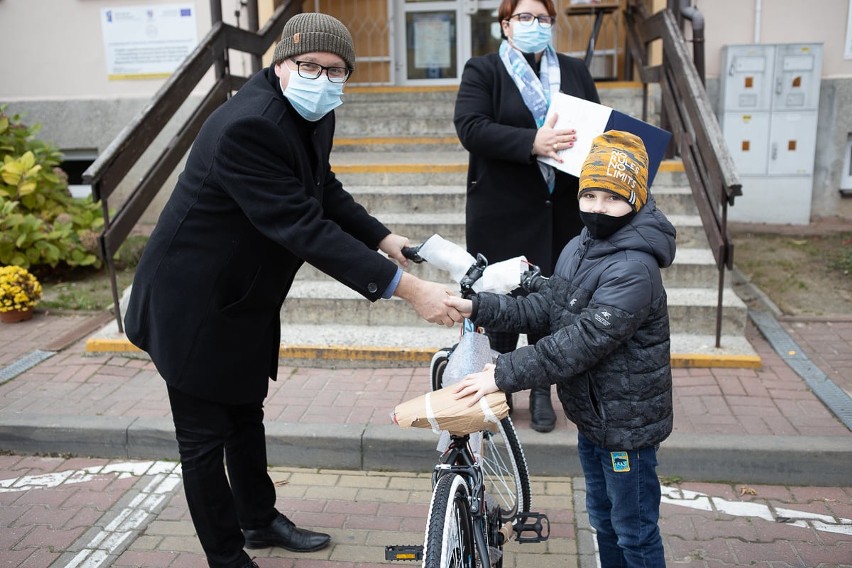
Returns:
(623,501)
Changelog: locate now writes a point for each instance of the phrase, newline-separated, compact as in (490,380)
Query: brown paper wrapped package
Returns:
(440,411)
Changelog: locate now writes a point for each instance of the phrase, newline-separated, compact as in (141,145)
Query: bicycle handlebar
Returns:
(530,280)
(413,253)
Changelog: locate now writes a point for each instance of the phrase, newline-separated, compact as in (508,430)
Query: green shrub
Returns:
(41,224)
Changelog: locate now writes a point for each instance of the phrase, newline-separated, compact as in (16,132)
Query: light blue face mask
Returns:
(313,98)
(532,38)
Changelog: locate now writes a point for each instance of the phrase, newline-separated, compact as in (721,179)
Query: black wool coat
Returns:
(257,198)
(509,210)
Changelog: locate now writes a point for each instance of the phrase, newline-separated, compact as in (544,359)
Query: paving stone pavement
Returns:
(126,512)
(82,512)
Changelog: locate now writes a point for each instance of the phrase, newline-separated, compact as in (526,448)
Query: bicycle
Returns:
(467,525)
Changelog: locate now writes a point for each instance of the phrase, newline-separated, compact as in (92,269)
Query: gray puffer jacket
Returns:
(608,349)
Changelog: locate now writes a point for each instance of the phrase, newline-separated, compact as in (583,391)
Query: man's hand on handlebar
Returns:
(392,246)
(427,299)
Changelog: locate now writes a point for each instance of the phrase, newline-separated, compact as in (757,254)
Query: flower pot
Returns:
(16,315)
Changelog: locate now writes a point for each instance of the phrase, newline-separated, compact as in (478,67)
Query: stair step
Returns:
(420,226)
(411,199)
(415,112)
(692,310)
(673,200)
(396,110)
(412,126)
(359,167)
(692,268)
(318,345)
(385,144)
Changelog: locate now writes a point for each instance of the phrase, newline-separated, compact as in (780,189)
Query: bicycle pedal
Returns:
(404,552)
(531,527)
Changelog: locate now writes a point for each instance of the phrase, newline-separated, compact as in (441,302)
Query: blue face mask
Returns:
(313,98)
(532,38)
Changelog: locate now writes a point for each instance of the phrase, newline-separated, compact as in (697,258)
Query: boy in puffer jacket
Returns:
(608,349)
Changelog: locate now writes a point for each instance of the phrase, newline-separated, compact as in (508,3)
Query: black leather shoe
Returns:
(251,564)
(542,416)
(282,532)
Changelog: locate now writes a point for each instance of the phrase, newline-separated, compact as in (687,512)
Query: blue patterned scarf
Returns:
(534,91)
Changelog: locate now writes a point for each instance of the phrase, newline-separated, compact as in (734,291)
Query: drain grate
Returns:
(835,398)
(23,364)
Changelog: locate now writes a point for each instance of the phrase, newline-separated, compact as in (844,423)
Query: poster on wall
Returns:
(147,42)
(432,35)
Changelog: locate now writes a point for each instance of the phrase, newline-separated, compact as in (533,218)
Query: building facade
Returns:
(61,69)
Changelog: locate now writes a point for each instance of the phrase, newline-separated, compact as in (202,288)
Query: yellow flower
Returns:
(19,290)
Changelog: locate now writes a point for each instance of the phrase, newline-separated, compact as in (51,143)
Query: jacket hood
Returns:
(649,231)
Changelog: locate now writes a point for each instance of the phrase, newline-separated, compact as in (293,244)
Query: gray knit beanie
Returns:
(312,31)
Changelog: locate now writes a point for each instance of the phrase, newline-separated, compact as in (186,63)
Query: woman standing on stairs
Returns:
(516,205)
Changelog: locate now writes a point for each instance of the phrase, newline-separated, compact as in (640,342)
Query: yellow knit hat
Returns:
(618,163)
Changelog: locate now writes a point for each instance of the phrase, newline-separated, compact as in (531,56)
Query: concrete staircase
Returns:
(397,152)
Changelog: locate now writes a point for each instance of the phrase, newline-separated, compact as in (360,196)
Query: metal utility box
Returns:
(746,80)
(769,104)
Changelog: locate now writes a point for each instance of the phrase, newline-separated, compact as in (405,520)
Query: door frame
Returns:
(463,10)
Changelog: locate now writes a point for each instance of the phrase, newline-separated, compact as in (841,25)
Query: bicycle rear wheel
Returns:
(504,466)
(449,541)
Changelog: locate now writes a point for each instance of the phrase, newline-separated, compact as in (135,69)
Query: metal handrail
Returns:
(696,132)
(114,163)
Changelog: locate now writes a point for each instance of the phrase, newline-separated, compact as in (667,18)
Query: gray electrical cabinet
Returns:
(769,104)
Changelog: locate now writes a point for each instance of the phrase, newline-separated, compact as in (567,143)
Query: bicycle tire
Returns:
(449,540)
(437,365)
(505,468)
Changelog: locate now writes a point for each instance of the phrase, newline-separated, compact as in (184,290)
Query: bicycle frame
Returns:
(459,459)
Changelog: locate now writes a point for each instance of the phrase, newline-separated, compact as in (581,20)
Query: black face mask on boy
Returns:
(602,226)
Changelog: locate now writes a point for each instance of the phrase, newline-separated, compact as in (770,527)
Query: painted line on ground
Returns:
(102,549)
(803,519)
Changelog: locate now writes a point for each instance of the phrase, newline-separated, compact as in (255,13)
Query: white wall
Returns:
(53,49)
(781,21)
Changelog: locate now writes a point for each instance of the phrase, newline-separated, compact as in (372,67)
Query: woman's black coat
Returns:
(257,198)
(509,210)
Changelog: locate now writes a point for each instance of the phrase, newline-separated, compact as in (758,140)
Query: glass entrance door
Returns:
(437,37)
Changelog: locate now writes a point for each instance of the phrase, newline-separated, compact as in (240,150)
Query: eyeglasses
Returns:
(526,19)
(311,70)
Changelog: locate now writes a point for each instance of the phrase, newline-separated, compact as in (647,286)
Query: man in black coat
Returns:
(256,199)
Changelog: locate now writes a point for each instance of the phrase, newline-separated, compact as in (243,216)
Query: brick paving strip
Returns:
(52,342)
(96,513)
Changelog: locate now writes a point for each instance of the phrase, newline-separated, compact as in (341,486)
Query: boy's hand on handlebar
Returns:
(464,307)
(427,299)
(476,385)
(392,245)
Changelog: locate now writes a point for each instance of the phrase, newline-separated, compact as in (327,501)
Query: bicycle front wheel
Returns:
(449,539)
(507,477)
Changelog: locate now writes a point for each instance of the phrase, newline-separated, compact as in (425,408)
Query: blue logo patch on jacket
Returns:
(620,462)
